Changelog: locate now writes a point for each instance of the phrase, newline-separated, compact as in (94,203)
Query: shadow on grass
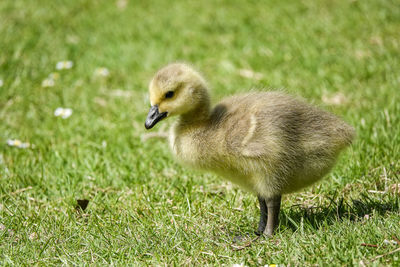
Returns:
(337,210)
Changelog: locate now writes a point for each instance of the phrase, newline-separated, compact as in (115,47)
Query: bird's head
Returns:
(176,89)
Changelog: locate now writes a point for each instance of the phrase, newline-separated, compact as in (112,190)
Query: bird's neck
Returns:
(197,116)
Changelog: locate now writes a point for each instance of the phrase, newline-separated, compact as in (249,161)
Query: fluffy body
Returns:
(268,142)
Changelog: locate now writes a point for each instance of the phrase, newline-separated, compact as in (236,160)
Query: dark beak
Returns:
(153,117)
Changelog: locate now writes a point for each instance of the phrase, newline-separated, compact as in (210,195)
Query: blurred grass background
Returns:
(144,208)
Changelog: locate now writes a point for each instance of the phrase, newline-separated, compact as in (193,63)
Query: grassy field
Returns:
(145,209)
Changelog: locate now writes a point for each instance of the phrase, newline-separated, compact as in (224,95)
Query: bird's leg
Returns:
(263,215)
(273,206)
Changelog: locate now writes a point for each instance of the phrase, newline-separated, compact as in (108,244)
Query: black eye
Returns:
(169,94)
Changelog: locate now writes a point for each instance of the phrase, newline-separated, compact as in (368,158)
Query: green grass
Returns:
(144,208)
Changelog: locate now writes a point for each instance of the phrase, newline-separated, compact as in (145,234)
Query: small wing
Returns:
(251,137)
(248,129)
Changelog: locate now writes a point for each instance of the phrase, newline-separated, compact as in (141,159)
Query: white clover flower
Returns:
(17,143)
(64,65)
(103,72)
(1,83)
(63,112)
(13,142)
(48,83)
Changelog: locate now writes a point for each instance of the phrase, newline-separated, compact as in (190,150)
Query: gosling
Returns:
(269,143)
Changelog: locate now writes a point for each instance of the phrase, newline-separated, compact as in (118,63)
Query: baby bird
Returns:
(269,143)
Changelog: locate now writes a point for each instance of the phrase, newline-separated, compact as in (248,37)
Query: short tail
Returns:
(345,134)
